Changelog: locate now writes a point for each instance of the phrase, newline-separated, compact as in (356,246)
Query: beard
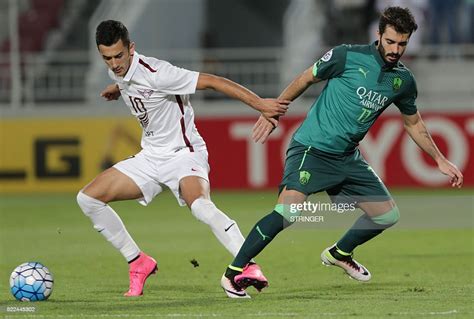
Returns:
(384,56)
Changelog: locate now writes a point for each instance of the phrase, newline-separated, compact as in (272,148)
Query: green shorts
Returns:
(345,177)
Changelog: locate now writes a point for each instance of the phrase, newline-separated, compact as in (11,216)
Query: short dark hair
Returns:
(110,32)
(401,19)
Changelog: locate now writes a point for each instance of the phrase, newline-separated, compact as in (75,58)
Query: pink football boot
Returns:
(139,271)
(251,276)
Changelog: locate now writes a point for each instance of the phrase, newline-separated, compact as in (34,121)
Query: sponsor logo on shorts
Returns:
(304,177)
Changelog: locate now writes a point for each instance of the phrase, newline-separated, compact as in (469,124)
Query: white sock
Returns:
(205,211)
(108,223)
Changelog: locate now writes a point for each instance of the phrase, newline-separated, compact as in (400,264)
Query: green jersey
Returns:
(359,88)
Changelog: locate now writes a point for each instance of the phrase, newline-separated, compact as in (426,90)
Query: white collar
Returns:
(132,68)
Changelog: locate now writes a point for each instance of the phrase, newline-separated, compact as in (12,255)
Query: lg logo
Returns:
(53,158)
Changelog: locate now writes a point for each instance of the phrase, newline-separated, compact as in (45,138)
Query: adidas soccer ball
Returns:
(31,282)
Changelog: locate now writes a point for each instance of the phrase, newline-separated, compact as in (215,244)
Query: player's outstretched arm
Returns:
(263,128)
(299,85)
(268,107)
(416,128)
(111,92)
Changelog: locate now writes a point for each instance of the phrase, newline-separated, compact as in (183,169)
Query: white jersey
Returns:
(157,94)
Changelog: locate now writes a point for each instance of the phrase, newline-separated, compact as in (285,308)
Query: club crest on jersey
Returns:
(304,177)
(397,83)
(145,93)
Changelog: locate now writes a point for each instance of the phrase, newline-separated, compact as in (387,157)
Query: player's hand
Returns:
(448,168)
(273,107)
(263,128)
(111,92)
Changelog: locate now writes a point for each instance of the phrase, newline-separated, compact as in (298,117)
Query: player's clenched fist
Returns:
(111,92)
(273,107)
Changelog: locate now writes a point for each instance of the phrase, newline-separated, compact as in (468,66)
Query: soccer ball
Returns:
(31,282)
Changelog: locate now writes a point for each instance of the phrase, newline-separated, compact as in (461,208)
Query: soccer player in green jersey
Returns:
(362,81)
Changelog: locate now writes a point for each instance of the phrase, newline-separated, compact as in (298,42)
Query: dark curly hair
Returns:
(110,32)
(401,19)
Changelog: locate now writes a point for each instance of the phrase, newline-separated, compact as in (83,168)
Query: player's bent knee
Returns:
(206,211)
(288,212)
(88,204)
(389,218)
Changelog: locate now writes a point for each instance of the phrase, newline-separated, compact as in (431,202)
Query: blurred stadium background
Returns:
(56,132)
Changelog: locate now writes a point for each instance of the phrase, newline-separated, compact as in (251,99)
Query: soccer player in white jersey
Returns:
(173,153)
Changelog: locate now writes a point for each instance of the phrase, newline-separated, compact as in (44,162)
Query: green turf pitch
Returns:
(422,268)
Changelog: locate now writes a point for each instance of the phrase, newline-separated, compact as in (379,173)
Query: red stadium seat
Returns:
(35,23)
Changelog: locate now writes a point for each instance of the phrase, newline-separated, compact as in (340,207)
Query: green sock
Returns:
(231,273)
(363,230)
(259,237)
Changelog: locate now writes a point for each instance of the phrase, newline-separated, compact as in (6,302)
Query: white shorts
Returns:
(152,173)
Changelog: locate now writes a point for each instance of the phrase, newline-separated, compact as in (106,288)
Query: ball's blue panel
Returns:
(27,295)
